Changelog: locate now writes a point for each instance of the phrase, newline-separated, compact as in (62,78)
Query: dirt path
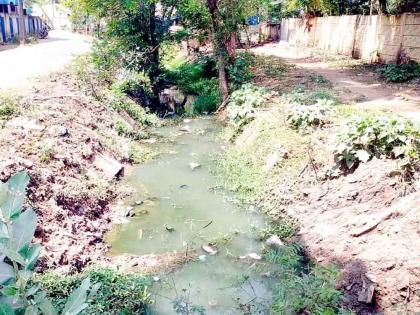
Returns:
(361,89)
(20,65)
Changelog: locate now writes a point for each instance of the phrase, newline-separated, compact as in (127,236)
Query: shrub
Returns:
(8,106)
(135,84)
(242,104)
(198,79)
(120,293)
(369,137)
(239,72)
(304,116)
(125,130)
(121,103)
(319,79)
(400,72)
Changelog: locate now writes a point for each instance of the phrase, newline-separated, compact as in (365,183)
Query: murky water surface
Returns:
(182,209)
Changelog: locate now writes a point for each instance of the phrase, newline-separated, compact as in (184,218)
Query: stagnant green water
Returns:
(182,210)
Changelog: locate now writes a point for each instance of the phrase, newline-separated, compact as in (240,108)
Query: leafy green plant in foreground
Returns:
(18,257)
(242,104)
(369,137)
(120,292)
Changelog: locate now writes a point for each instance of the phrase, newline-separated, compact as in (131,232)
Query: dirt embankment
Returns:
(67,143)
(368,223)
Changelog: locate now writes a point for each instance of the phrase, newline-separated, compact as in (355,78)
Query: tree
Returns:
(220,47)
(133,37)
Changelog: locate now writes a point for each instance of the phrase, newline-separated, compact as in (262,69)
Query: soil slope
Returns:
(61,137)
(369,224)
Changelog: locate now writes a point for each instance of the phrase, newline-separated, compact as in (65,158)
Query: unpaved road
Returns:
(21,65)
(363,90)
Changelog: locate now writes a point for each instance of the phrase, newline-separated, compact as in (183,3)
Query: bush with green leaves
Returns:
(368,137)
(135,84)
(400,72)
(198,79)
(8,106)
(242,104)
(122,104)
(304,116)
(239,71)
(18,256)
(120,293)
(123,129)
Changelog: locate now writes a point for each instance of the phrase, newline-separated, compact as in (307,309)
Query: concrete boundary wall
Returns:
(9,26)
(373,38)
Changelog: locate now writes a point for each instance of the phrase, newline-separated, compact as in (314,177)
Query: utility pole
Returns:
(22,31)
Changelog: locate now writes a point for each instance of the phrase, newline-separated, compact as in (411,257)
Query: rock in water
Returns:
(274,242)
(210,249)
(194,165)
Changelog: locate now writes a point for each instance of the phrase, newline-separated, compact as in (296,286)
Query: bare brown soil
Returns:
(367,222)
(57,137)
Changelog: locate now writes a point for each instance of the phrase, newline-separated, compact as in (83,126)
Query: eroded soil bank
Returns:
(68,143)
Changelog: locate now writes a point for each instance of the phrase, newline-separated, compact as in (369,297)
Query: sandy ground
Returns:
(360,89)
(21,65)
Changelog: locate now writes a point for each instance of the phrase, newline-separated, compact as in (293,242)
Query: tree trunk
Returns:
(154,58)
(220,49)
(22,33)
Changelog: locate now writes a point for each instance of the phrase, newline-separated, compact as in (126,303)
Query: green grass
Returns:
(120,293)
(139,153)
(8,106)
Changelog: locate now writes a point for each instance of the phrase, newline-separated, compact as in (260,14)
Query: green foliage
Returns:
(140,153)
(135,84)
(8,106)
(312,293)
(122,104)
(119,293)
(303,288)
(285,228)
(319,79)
(400,72)
(198,79)
(304,116)
(17,228)
(239,72)
(242,104)
(125,130)
(369,137)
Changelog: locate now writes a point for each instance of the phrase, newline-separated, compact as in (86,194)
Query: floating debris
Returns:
(194,165)
(254,256)
(210,249)
(169,228)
